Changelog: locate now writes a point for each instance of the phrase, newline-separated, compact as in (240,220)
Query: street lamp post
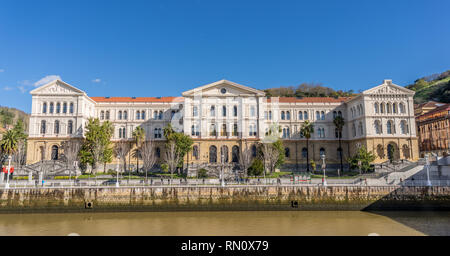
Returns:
(428,170)
(221,171)
(324,182)
(9,168)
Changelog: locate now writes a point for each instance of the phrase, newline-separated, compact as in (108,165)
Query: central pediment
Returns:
(388,88)
(224,88)
(57,87)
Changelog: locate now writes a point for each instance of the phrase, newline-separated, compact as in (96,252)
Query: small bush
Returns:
(202,173)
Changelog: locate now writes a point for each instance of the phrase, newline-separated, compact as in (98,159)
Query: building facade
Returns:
(224,117)
(433,129)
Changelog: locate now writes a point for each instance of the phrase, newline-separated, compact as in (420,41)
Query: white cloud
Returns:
(22,88)
(46,80)
(97,80)
(25,82)
(7,88)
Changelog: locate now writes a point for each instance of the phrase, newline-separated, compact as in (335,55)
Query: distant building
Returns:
(224,117)
(433,128)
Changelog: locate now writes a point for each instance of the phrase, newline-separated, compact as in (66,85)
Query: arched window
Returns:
(388,108)
(300,115)
(287,152)
(71,108)
(319,133)
(194,111)
(389,127)
(58,108)
(322,151)
(376,108)
(317,115)
(337,133)
(54,152)
(377,126)
(119,115)
(212,130)
(70,127)
(235,130)
(158,152)
(304,152)
(224,154)
(157,133)
(107,114)
(125,115)
(235,110)
(172,113)
(252,111)
(235,154)
(288,115)
(138,115)
(360,128)
(224,130)
(65,108)
(270,115)
(143,115)
(155,115)
(382,106)
(56,128)
(402,108)
(305,115)
(394,108)
(212,154)
(212,111)
(44,108)
(102,115)
(51,107)
(334,114)
(354,130)
(195,152)
(322,115)
(253,150)
(404,127)
(160,116)
(283,117)
(224,110)
(124,132)
(339,113)
(43,126)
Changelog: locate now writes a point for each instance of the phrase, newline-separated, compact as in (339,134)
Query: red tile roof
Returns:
(311,99)
(138,99)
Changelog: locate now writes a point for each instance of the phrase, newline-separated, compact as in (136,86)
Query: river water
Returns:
(228,223)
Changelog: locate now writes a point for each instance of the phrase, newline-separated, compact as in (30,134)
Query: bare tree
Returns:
(71,149)
(148,154)
(20,156)
(270,156)
(172,156)
(245,159)
(121,150)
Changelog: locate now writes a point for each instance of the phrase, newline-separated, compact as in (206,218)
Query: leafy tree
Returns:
(257,168)
(203,173)
(6,117)
(20,155)
(306,131)
(366,158)
(9,143)
(339,123)
(139,137)
(183,143)
(97,144)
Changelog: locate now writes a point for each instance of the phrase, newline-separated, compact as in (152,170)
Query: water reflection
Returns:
(224,223)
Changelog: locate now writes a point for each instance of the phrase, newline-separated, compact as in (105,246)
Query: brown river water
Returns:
(243,223)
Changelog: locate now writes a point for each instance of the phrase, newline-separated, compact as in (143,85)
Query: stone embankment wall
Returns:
(228,198)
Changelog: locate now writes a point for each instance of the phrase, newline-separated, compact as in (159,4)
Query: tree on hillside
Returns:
(306,131)
(97,144)
(339,123)
(6,118)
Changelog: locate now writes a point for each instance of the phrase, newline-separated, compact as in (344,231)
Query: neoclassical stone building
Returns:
(223,117)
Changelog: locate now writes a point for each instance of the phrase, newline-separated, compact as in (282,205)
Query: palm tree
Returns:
(339,123)
(306,131)
(138,136)
(8,146)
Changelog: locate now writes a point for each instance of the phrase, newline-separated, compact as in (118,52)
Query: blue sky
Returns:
(161,48)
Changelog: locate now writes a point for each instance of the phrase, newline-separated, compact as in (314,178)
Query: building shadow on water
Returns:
(433,223)
(425,209)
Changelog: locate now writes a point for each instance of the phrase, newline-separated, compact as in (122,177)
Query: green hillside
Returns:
(435,87)
(9,116)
